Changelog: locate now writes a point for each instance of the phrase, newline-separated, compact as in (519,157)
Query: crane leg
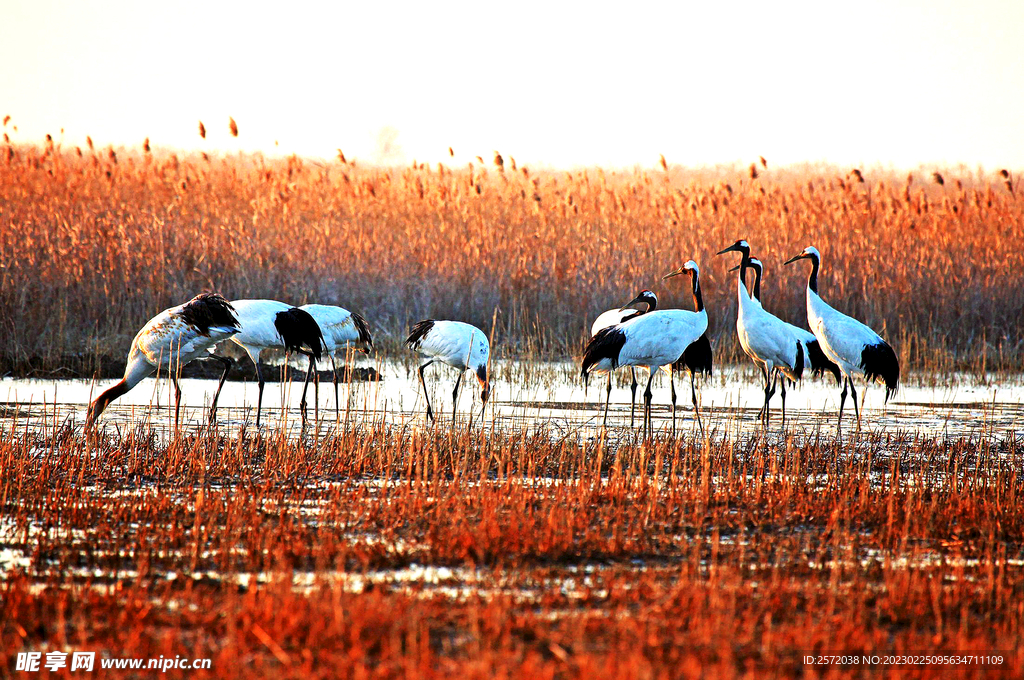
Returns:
(632,400)
(764,375)
(783,402)
(223,376)
(337,406)
(426,396)
(455,397)
(648,395)
(259,400)
(672,384)
(316,391)
(693,396)
(768,391)
(842,400)
(177,401)
(853,394)
(305,386)
(607,400)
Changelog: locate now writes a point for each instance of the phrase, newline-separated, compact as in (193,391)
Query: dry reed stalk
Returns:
(550,249)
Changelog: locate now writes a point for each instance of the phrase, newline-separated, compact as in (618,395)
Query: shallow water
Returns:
(547,395)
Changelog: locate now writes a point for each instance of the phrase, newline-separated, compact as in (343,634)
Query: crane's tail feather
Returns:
(418,332)
(697,357)
(297,328)
(209,310)
(820,364)
(363,329)
(880,363)
(605,346)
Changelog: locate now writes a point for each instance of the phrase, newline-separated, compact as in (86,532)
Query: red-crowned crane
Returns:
(341,329)
(652,340)
(168,342)
(853,346)
(765,338)
(814,358)
(645,301)
(460,345)
(269,324)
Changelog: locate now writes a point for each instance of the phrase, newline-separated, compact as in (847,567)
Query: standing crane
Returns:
(853,346)
(814,358)
(341,329)
(651,340)
(645,301)
(460,345)
(269,324)
(765,338)
(168,342)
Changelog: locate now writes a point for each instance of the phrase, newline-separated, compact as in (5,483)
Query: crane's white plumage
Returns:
(169,341)
(341,330)
(258,330)
(269,324)
(842,338)
(764,337)
(814,358)
(853,346)
(645,301)
(651,340)
(658,338)
(460,345)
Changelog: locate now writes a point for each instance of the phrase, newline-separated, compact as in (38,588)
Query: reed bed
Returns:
(385,552)
(94,241)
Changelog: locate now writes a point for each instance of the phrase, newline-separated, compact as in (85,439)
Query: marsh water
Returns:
(539,395)
(546,397)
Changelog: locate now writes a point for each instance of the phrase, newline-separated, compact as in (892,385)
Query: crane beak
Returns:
(795,258)
(730,249)
(677,272)
(734,268)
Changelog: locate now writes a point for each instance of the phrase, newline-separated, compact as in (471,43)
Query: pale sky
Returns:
(894,82)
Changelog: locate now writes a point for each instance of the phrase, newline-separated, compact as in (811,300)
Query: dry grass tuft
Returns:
(522,556)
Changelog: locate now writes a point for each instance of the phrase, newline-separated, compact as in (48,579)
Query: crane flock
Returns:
(638,335)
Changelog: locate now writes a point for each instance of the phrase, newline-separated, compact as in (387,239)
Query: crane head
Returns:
(485,384)
(689,268)
(740,246)
(644,297)
(809,253)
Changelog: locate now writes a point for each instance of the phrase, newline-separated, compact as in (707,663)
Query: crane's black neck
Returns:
(746,263)
(698,298)
(812,280)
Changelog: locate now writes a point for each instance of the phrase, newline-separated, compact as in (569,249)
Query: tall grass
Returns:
(94,242)
(279,557)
